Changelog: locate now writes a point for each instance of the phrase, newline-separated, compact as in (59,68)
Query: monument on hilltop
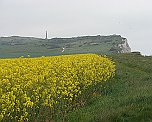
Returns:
(46,35)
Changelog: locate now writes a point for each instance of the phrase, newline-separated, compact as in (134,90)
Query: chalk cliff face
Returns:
(125,48)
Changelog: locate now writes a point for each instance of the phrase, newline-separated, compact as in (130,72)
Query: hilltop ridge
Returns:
(16,46)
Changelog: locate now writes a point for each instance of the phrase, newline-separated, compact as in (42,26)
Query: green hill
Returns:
(16,46)
(126,98)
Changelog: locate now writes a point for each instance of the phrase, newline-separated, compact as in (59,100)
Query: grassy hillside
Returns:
(16,46)
(126,98)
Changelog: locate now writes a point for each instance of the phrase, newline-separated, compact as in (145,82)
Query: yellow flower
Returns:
(27,83)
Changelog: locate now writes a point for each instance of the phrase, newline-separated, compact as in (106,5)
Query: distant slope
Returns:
(16,46)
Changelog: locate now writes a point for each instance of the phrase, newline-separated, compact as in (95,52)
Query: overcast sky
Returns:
(66,18)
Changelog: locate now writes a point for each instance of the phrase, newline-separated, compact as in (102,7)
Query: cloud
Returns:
(130,18)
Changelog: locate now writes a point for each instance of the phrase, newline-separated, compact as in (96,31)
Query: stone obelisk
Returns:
(46,36)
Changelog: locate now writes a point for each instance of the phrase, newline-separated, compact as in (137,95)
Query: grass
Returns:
(11,47)
(17,51)
(126,98)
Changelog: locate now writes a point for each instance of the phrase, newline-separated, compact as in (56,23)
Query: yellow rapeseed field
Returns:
(46,86)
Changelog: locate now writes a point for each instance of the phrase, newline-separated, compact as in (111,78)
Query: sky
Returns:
(67,18)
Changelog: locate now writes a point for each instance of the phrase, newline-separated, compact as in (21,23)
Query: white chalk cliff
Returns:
(125,48)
